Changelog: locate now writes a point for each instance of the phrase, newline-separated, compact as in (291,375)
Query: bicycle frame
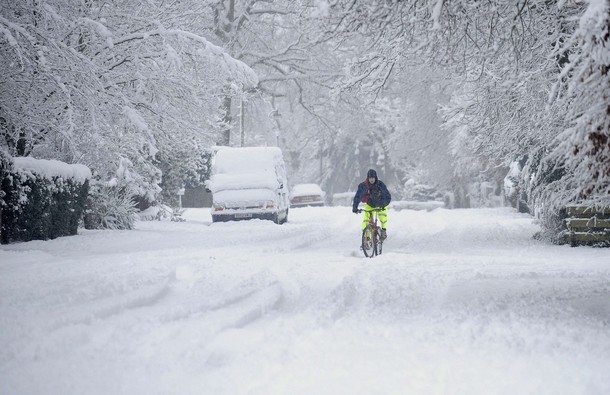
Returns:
(371,245)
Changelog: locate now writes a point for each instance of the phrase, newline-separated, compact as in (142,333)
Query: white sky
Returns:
(461,302)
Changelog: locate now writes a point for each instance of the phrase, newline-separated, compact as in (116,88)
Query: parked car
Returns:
(249,182)
(307,195)
(343,199)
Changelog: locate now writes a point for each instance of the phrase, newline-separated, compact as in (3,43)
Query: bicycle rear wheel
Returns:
(379,240)
(369,242)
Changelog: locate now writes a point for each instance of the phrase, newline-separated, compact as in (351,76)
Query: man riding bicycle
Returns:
(375,195)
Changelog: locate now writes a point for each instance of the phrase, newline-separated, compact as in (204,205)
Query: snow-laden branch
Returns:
(261,56)
(236,68)
(102,30)
(436,15)
(17,28)
(13,40)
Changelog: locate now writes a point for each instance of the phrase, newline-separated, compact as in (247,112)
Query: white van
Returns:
(249,182)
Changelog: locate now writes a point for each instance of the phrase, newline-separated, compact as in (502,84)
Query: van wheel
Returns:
(276,218)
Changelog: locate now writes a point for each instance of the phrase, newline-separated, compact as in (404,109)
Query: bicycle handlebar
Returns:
(370,211)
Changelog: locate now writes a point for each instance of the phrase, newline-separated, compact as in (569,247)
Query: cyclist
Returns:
(375,195)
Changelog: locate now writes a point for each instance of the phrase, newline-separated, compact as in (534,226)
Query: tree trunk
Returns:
(226,120)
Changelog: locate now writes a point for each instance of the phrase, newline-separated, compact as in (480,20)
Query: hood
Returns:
(371,173)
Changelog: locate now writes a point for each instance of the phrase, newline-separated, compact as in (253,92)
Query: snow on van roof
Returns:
(230,160)
(245,168)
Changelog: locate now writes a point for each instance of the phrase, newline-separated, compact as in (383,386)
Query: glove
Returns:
(355,210)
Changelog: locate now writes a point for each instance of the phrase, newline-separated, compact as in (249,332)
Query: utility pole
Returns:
(241,120)
(275,116)
(225,30)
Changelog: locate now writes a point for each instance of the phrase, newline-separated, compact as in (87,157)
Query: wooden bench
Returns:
(588,225)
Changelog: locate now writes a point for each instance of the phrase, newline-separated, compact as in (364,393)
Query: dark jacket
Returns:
(375,195)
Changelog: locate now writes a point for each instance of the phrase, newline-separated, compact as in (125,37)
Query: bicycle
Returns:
(372,244)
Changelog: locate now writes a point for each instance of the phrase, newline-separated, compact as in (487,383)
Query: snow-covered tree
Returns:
(582,149)
(504,58)
(110,83)
(279,40)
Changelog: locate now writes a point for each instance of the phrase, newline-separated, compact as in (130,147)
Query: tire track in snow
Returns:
(173,306)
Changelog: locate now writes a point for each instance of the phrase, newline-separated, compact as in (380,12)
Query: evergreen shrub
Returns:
(37,204)
(110,207)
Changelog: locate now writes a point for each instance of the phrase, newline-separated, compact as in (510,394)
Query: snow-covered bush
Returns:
(110,207)
(517,184)
(188,167)
(162,212)
(414,190)
(511,182)
(41,199)
(6,211)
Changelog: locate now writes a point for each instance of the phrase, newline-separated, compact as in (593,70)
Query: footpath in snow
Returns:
(461,302)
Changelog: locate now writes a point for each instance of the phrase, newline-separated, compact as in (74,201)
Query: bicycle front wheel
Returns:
(369,242)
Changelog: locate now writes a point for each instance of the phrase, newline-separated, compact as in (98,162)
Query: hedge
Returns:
(40,199)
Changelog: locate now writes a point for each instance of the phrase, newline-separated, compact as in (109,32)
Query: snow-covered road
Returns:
(461,302)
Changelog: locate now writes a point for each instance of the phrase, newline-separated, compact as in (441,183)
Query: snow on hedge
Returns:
(51,168)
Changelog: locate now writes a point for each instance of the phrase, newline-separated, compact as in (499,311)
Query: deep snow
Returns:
(461,302)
